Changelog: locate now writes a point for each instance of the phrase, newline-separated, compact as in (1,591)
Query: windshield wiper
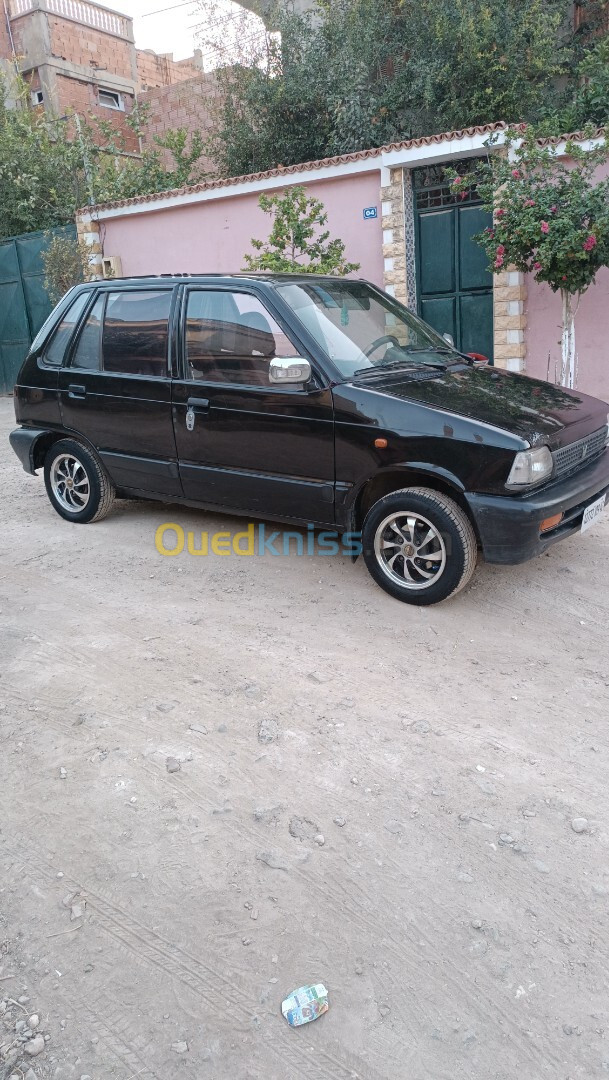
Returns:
(397,365)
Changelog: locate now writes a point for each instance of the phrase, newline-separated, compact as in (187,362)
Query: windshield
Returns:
(360,329)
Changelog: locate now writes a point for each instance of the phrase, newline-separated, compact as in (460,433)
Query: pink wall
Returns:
(543,332)
(213,236)
(544,315)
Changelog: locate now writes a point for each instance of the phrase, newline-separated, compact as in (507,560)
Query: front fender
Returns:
(346,511)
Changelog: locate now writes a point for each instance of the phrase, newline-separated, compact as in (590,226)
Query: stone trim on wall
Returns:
(394,240)
(509,320)
(90,234)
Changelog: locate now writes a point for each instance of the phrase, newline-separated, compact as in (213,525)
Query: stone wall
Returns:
(89,233)
(509,320)
(394,233)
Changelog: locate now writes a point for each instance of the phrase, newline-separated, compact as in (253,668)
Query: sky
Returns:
(176,30)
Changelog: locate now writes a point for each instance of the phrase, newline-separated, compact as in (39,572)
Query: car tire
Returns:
(419,545)
(77,484)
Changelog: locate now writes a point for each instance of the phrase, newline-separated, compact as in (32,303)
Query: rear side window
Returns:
(87,353)
(135,332)
(56,349)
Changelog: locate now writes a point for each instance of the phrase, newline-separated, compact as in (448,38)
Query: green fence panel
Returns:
(24,301)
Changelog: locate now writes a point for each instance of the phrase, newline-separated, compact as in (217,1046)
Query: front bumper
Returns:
(508,526)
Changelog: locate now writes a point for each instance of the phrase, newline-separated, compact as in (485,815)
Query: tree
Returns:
(41,172)
(551,219)
(49,167)
(295,243)
(354,74)
(66,263)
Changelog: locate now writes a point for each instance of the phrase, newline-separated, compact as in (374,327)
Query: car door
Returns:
(115,388)
(242,442)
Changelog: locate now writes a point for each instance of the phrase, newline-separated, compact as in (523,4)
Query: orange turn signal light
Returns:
(381,444)
(551,522)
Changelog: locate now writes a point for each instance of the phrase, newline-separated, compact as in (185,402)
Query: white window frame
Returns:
(120,104)
(37,97)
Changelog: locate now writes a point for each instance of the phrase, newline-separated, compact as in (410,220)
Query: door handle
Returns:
(198,404)
(76,391)
(195,405)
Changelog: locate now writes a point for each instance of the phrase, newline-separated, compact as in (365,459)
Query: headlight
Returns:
(530,467)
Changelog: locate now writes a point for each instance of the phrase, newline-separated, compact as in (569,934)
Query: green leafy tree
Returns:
(49,167)
(41,173)
(115,173)
(551,220)
(66,263)
(296,244)
(586,96)
(354,74)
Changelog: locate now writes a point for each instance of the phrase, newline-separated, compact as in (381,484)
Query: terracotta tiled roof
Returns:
(323,163)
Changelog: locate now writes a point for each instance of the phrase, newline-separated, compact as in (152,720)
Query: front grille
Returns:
(574,456)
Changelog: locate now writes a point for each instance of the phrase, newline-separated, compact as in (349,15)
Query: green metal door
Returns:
(24,301)
(454,284)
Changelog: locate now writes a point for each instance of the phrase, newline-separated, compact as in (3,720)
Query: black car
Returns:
(313,400)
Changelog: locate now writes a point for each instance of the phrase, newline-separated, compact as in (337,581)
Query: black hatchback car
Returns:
(312,400)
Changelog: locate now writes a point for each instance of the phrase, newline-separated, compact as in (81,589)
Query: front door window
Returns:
(231,338)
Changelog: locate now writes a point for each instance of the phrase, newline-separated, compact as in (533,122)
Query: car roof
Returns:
(176,279)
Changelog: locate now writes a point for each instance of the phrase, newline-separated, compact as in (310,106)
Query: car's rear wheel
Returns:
(419,545)
(77,484)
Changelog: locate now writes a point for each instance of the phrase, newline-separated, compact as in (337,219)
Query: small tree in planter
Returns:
(550,219)
(296,245)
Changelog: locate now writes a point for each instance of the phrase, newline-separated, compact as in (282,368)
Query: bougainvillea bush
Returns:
(550,218)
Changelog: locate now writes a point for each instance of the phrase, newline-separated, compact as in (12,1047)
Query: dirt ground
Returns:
(155,920)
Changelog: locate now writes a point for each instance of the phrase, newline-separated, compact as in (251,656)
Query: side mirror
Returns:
(289,370)
(450,339)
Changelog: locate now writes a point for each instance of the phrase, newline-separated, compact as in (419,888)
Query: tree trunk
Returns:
(568,372)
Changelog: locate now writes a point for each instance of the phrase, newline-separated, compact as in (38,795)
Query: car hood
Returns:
(535,410)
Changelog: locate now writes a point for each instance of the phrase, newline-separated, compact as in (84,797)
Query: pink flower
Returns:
(457,180)
(516,174)
(545,228)
(501,249)
(590,242)
(553,209)
(499,261)
(499,212)
(529,202)
(537,266)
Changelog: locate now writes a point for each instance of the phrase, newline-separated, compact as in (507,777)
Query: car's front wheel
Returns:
(419,545)
(77,484)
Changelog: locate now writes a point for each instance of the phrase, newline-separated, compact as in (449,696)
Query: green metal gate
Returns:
(454,284)
(24,301)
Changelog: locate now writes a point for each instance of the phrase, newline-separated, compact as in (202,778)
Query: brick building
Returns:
(80,57)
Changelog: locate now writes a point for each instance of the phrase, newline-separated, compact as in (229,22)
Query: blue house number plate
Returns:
(370,212)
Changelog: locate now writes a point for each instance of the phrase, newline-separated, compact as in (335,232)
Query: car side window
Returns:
(56,349)
(87,353)
(232,338)
(135,332)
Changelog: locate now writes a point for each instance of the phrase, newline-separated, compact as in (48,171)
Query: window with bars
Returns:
(432,189)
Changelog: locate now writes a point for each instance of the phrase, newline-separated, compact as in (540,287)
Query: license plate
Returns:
(592,512)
